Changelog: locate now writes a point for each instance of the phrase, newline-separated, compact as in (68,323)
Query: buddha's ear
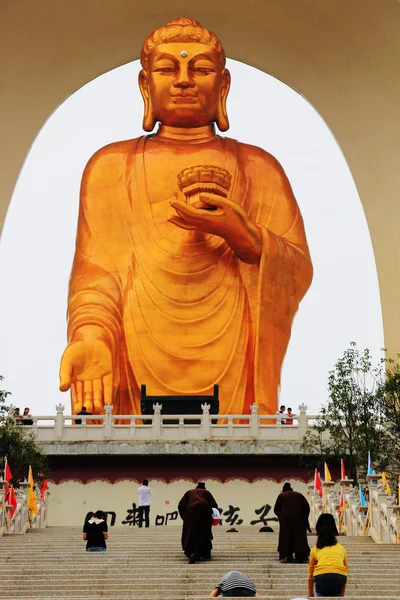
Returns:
(149,119)
(222,116)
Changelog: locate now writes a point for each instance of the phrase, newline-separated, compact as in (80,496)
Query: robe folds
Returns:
(292,510)
(178,309)
(195,509)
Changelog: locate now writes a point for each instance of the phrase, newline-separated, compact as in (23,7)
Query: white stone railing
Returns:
(39,520)
(384,514)
(19,523)
(158,427)
(3,523)
(380,518)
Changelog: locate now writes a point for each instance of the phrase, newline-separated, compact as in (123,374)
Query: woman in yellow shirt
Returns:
(327,567)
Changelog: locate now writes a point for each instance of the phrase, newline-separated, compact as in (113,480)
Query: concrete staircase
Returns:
(150,565)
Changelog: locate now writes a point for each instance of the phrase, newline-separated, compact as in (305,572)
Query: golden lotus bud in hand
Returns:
(204,178)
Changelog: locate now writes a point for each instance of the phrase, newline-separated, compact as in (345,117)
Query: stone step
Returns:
(181,597)
(150,565)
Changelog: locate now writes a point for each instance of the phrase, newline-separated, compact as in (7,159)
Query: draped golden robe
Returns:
(178,309)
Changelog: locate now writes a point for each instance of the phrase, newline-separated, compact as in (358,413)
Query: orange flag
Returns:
(31,495)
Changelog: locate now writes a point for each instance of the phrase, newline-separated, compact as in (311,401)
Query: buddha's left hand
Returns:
(226,219)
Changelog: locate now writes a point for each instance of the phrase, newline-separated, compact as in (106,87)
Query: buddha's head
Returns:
(183,81)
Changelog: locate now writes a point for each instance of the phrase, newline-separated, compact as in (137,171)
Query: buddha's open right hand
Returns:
(86,366)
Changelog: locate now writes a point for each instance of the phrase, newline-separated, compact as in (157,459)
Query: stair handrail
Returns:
(39,519)
(3,522)
(19,522)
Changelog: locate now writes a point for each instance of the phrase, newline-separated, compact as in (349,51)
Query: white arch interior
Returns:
(37,244)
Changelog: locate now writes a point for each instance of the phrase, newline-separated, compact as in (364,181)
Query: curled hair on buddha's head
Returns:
(181,30)
(326,537)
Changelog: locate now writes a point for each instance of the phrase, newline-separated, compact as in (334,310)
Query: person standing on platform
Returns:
(144,503)
(281,412)
(292,510)
(83,411)
(195,509)
(289,417)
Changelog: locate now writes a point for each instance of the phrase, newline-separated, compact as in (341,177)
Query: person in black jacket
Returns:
(95,532)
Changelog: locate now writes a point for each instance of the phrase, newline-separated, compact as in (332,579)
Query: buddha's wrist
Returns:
(90,333)
(247,245)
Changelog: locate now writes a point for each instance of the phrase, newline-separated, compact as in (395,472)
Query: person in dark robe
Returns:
(292,510)
(195,509)
(326,520)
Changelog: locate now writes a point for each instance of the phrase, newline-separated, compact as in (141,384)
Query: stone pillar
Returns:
(108,421)
(205,421)
(396,511)
(181,427)
(157,421)
(59,422)
(328,487)
(254,421)
(303,421)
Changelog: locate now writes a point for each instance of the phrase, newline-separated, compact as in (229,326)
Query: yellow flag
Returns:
(327,473)
(31,495)
(385,483)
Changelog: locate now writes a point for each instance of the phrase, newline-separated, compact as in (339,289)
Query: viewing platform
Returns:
(171,434)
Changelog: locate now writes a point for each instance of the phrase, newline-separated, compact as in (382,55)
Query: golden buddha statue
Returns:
(191,257)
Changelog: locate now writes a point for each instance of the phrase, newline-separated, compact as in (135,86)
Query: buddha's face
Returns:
(185,84)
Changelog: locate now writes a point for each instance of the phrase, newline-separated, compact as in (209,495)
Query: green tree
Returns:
(352,422)
(18,445)
(390,406)
(3,397)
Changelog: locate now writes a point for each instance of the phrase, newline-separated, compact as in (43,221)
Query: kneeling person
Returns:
(328,567)
(95,532)
(235,583)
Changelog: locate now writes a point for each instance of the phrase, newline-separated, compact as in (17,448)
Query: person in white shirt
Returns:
(281,411)
(144,503)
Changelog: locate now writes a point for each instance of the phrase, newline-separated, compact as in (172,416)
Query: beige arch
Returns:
(343,56)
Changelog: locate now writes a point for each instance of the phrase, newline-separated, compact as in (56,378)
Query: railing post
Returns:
(303,421)
(396,511)
(133,426)
(205,421)
(108,418)
(181,427)
(328,487)
(254,421)
(24,520)
(2,507)
(59,424)
(157,421)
